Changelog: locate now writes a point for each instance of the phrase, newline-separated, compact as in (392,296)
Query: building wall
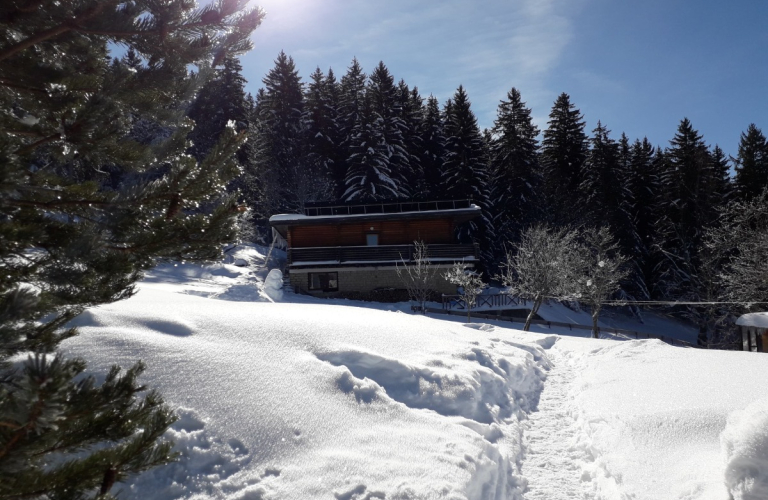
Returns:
(365,280)
(436,231)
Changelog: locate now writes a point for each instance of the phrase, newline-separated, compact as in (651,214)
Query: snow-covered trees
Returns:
(370,139)
(284,164)
(465,168)
(601,270)
(545,264)
(465,164)
(69,244)
(470,285)
(563,152)
(602,187)
(751,163)
(433,151)
(514,164)
(378,160)
(739,240)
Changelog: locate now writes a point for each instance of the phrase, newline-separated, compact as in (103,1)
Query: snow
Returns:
(758,319)
(304,398)
(273,285)
(745,443)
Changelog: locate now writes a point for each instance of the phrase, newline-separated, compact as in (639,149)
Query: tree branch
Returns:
(36,144)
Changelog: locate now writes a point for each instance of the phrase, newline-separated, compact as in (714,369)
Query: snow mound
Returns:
(481,393)
(205,462)
(745,446)
(273,285)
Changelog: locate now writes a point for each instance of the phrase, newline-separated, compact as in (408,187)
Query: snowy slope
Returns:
(311,399)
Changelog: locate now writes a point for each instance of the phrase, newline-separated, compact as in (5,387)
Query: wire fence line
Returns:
(616,332)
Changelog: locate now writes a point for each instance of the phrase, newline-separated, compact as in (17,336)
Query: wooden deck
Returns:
(380,253)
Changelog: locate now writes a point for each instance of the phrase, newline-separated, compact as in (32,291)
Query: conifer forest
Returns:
(128,140)
(674,210)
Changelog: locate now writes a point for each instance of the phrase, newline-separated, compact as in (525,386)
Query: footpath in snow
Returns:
(297,398)
(553,463)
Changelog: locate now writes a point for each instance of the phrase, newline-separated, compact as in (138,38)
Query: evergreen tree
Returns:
(602,185)
(323,129)
(722,186)
(751,164)
(645,193)
(411,107)
(514,163)
(433,151)
(465,166)
(563,152)
(465,169)
(221,100)
(67,245)
(694,195)
(369,177)
(389,128)
(284,162)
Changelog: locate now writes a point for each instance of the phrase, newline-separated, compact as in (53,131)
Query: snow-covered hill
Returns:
(303,399)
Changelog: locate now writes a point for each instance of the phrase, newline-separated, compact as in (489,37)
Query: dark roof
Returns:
(282,222)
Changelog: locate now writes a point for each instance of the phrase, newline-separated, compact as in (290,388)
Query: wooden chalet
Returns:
(353,250)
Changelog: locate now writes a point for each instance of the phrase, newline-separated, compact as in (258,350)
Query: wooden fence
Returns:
(491,300)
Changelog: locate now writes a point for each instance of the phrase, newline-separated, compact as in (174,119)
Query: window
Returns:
(326,282)
(372,240)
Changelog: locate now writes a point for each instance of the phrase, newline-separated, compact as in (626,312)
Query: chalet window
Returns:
(326,282)
(372,240)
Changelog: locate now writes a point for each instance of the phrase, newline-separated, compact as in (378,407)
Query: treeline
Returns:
(364,137)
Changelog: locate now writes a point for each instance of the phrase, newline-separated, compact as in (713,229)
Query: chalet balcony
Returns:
(379,254)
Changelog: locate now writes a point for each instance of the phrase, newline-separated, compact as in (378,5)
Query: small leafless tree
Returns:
(418,276)
(544,264)
(470,282)
(602,268)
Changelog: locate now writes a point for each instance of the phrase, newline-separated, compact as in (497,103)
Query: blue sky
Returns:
(639,67)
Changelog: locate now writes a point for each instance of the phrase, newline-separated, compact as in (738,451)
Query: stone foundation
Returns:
(366,283)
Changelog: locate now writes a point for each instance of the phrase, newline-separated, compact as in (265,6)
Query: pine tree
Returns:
(695,186)
(385,116)
(563,152)
(751,164)
(284,162)
(514,163)
(645,193)
(66,245)
(323,129)
(465,168)
(411,113)
(221,100)
(369,177)
(722,187)
(602,184)
(433,150)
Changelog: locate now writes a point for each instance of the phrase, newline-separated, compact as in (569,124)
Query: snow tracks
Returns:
(553,461)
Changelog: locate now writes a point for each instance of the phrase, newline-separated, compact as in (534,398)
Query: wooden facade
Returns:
(333,251)
(402,232)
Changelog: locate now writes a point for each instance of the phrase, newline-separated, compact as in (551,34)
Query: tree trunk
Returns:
(534,310)
(595,316)
(469,313)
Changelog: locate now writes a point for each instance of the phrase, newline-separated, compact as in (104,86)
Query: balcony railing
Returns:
(380,253)
(384,207)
